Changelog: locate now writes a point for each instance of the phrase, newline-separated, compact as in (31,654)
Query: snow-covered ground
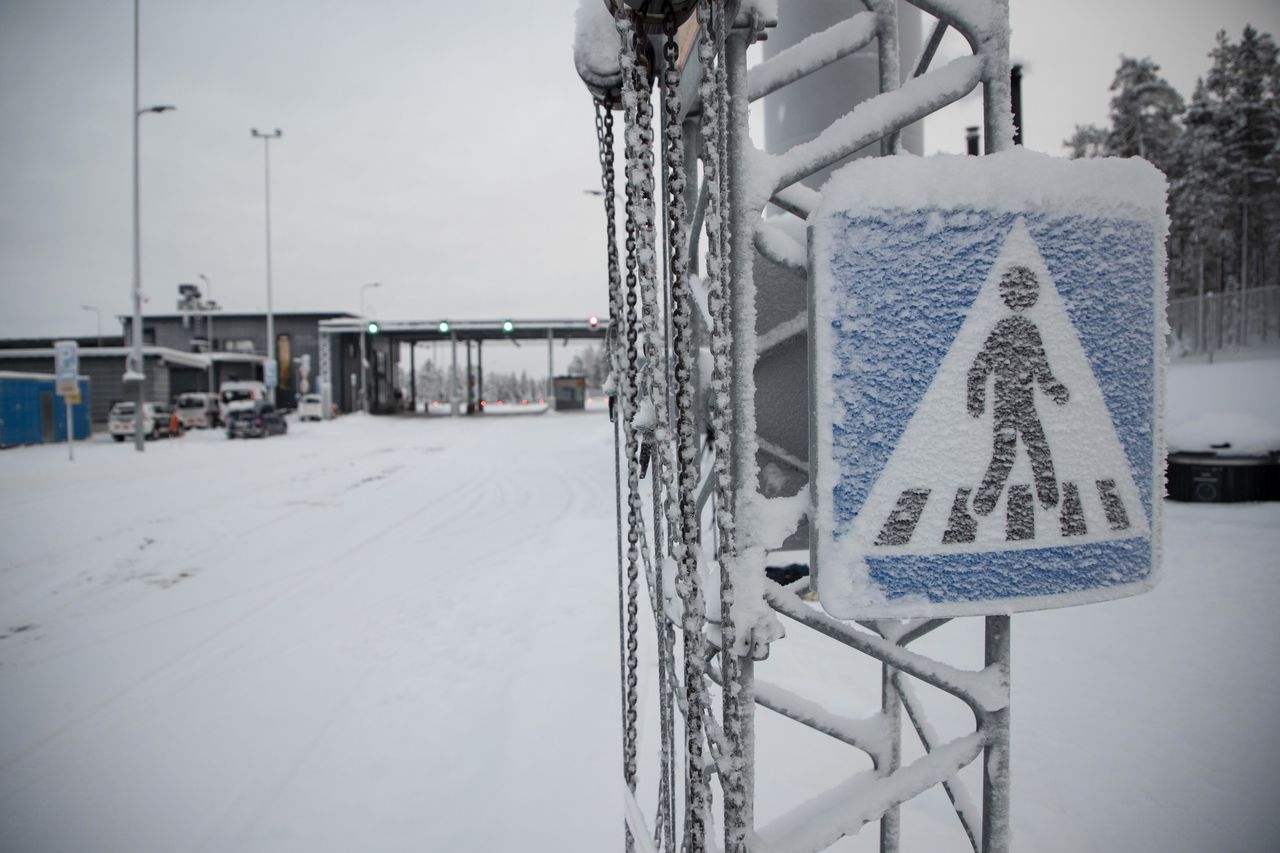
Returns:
(386,634)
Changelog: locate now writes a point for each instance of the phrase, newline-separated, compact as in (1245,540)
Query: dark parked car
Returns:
(256,422)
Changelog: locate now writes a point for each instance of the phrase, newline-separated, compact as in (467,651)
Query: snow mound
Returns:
(1226,434)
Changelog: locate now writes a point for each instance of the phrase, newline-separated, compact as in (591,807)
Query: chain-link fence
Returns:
(1232,320)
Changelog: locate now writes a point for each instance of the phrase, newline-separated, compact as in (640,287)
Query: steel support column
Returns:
(551,366)
(453,376)
(995,764)
(740,815)
(326,375)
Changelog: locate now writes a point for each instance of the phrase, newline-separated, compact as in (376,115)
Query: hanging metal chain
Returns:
(684,519)
(604,139)
(713,93)
(630,391)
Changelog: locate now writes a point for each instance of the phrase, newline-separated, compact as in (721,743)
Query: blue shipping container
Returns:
(32,413)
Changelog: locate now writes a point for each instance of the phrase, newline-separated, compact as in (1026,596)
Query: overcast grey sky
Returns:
(441,152)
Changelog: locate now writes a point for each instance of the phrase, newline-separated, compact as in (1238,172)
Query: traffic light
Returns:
(444,327)
(508,327)
(373,328)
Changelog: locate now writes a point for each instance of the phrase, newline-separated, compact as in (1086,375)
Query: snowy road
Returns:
(357,637)
(399,635)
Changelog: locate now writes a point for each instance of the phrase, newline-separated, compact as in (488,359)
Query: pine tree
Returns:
(1144,113)
(1225,195)
(1089,140)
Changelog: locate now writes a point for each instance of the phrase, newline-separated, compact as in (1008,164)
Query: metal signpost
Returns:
(984,341)
(66,356)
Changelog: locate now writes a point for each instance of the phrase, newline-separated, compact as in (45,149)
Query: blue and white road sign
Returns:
(66,364)
(987,346)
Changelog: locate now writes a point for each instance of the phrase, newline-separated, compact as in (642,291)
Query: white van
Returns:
(239,395)
(310,408)
(197,410)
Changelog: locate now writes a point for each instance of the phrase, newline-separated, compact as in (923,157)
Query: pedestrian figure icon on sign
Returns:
(1014,353)
(986,359)
(957,484)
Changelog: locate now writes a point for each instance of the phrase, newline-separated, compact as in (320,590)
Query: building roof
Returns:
(238,315)
(471,329)
(170,356)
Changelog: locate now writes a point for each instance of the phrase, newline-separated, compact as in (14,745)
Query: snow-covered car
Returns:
(155,420)
(256,422)
(310,407)
(238,395)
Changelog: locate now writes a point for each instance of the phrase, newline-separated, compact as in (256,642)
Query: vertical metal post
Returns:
(470,386)
(739,814)
(997,99)
(208,327)
(1201,344)
(364,371)
(71,450)
(1242,327)
(453,376)
(1015,98)
(480,375)
(413,377)
(266,162)
(134,369)
(326,375)
(995,765)
(998,128)
(891,708)
(551,366)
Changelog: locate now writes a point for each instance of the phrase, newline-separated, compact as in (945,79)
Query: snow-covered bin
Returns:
(1224,458)
(1210,478)
(987,359)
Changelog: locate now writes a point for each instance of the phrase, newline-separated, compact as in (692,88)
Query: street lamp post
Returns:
(134,371)
(97,311)
(364,359)
(266,162)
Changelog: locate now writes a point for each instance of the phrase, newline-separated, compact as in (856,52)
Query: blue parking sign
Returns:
(987,348)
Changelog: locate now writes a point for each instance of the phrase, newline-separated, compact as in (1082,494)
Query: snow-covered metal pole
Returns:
(739,702)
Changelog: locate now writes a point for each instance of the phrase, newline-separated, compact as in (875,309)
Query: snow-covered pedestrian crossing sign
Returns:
(987,349)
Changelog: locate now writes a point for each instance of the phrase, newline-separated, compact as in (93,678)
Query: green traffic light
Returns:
(508,326)
(444,328)
(373,328)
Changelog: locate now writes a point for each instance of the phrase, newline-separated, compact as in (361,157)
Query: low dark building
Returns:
(239,346)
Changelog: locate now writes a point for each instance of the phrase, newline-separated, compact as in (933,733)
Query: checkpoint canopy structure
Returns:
(342,369)
(988,352)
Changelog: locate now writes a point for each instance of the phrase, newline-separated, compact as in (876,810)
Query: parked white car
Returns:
(155,420)
(310,408)
(198,410)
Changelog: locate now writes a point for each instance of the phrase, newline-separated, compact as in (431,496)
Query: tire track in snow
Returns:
(293,581)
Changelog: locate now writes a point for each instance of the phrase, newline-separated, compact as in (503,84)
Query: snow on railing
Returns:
(845,808)
(812,54)
(871,120)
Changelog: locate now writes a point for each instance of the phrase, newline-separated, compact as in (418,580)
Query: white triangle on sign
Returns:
(919,504)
